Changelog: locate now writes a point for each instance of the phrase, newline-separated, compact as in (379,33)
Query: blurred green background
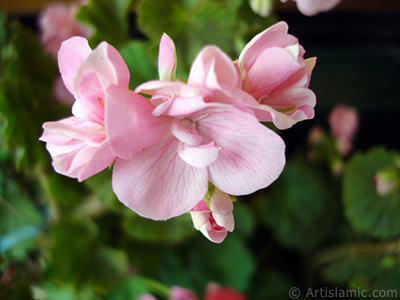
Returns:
(322,224)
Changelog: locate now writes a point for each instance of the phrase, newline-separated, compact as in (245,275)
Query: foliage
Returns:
(322,223)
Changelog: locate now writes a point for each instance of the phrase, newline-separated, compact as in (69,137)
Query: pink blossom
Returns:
(215,219)
(58,23)
(275,73)
(79,145)
(344,123)
(202,138)
(226,146)
(313,7)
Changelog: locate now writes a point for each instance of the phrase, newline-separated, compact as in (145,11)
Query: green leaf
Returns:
(353,269)
(55,290)
(26,84)
(296,205)
(368,212)
(108,19)
(230,263)
(170,231)
(65,190)
(245,219)
(140,66)
(20,220)
(133,287)
(191,23)
(79,259)
(100,185)
(364,273)
(270,284)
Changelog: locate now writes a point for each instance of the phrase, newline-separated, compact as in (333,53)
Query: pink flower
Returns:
(58,23)
(226,146)
(313,7)
(79,145)
(275,73)
(215,219)
(201,136)
(216,292)
(344,123)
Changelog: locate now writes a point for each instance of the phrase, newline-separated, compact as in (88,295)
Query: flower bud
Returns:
(213,216)
(261,7)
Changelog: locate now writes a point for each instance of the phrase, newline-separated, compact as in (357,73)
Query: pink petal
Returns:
(72,128)
(221,203)
(266,113)
(274,66)
(225,221)
(131,127)
(100,159)
(200,218)
(212,66)
(291,99)
(78,147)
(251,155)
(274,36)
(214,236)
(167,59)
(181,107)
(108,64)
(198,156)
(157,184)
(185,135)
(202,206)
(174,88)
(72,54)
(302,77)
(91,99)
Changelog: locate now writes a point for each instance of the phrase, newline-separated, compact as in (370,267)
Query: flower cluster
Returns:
(170,147)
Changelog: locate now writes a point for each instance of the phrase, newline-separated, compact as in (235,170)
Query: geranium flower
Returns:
(223,145)
(204,138)
(275,73)
(79,145)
